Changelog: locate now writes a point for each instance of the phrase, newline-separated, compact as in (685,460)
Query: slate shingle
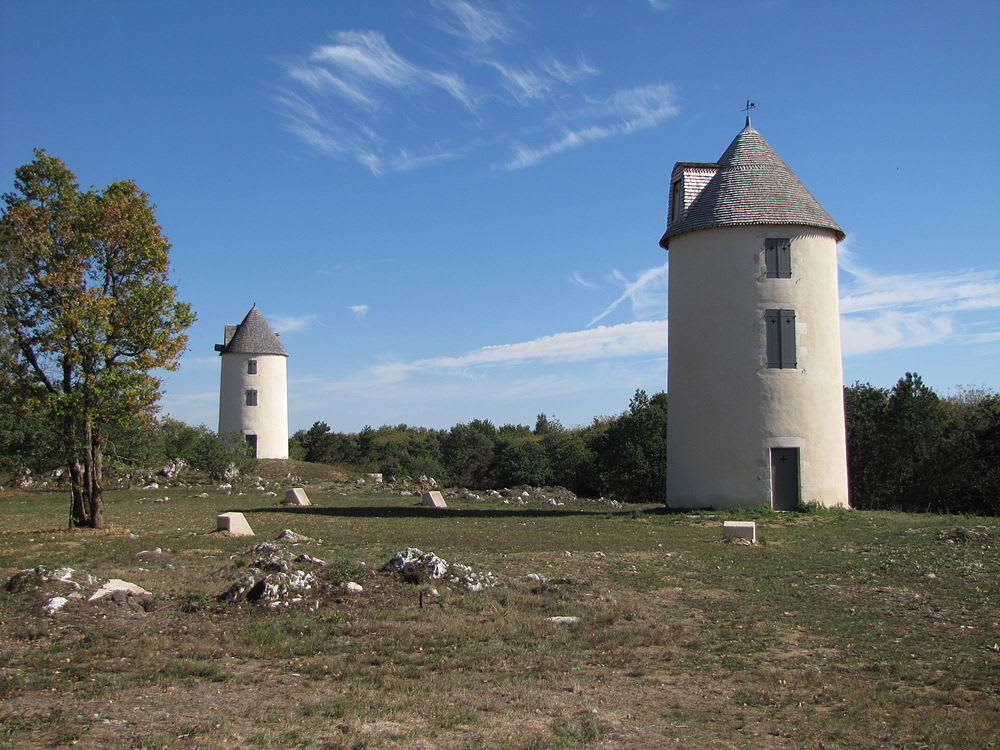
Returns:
(752,186)
(252,336)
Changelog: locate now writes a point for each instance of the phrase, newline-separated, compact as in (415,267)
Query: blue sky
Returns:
(451,208)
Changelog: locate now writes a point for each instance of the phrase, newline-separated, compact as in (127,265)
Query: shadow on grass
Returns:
(418,511)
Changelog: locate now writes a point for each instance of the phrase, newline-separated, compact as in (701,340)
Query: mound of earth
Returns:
(415,566)
(275,577)
(49,591)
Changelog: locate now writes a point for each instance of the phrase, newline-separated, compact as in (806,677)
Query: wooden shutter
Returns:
(771,259)
(772,323)
(784,251)
(787,338)
(778,258)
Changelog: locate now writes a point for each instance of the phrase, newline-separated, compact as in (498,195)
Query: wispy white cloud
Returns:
(989,337)
(623,113)
(320,79)
(359,61)
(565,72)
(522,83)
(868,291)
(359,97)
(360,311)
(339,97)
(472,23)
(891,330)
(624,340)
(291,323)
(577,279)
(893,311)
(404,161)
(526,83)
(647,294)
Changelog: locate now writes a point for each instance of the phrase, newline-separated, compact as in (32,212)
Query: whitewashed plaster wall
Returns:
(726,408)
(268,420)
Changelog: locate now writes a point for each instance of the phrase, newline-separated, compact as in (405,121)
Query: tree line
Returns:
(908,449)
(622,457)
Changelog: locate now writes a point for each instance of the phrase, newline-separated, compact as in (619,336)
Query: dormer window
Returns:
(676,201)
(251,367)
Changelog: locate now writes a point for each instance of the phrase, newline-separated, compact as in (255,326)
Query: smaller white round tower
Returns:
(253,395)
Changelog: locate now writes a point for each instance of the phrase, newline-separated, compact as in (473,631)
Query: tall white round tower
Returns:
(755,412)
(253,395)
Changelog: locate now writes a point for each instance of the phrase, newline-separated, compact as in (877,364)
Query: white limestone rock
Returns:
(117,584)
(54,604)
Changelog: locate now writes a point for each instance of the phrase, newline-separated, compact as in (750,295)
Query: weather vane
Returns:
(750,105)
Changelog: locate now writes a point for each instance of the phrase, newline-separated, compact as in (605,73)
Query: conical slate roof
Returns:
(252,336)
(752,186)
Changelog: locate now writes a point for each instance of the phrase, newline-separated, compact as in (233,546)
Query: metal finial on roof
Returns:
(750,105)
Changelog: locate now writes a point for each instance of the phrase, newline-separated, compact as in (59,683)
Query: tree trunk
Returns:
(78,507)
(96,485)
(92,474)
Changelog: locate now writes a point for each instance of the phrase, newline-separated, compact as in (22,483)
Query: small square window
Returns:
(251,397)
(778,258)
(251,367)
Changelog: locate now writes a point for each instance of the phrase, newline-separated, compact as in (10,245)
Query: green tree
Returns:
(968,469)
(218,454)
(520,459)
(864,409)
(570,460)
(468,453)
(631,451)
(316,442)
(915,426)
(87,307)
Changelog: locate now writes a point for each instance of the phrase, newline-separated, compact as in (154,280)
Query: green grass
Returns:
(846,629)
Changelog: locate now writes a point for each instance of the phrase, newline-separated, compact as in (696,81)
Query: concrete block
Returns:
(434,499)
(235,523)
(740,530)
(296,496)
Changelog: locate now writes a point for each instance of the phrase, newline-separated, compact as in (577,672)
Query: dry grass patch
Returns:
(831,634)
